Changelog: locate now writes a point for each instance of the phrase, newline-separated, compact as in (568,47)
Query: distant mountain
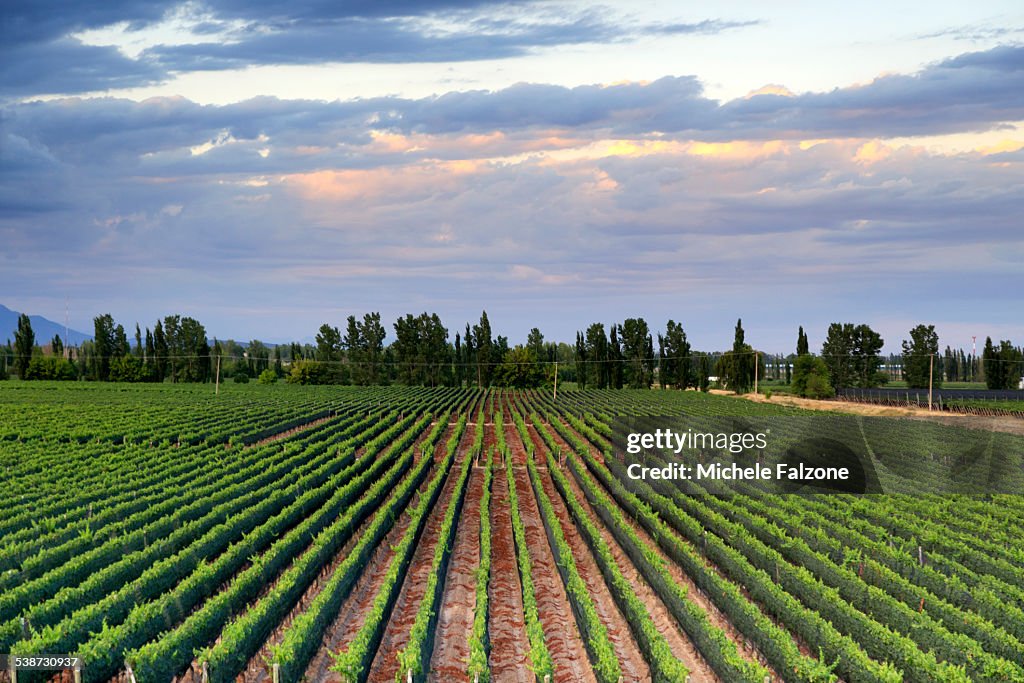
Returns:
(43,328)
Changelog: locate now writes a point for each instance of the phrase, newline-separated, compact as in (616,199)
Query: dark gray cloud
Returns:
(42,21)
(40,57)
(377,41)
(65,65)
(972,92)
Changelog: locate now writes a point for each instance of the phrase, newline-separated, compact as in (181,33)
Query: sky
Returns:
(269,166)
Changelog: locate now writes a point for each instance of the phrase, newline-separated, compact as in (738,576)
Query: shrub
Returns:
(50,367)
(241,378)
(268,376)
(818,387)
(768,394)
(810,378)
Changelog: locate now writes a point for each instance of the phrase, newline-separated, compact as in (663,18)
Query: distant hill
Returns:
(43,328)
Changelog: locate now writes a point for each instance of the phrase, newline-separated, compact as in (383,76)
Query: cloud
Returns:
(972,92)
(65,65)
(609,201)
(42,53)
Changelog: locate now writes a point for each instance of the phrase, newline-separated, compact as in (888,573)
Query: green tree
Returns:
(372,335)
(918,354)
(1003,365)
(160,351)
(258,356)
(519,369)
(703,365)
(1012,360)
(421,350)
(581,360)
(485,355)
(129,368)
(104,341)
(736,367)
(328,344)
(121,346)
(51,368)
(535,342)
(460,368)
(638,350)
(811,377)
(616,373)
(802,346)
(674,352)
(57,346)
(364,346)
(598,371)
(851,354)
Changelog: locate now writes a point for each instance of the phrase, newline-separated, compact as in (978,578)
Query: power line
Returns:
(652,359)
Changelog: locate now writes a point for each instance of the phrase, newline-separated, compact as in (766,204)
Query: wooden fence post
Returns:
(277,673)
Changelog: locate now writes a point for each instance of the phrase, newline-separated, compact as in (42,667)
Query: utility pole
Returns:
(216,390)
(556,381)
(931,368)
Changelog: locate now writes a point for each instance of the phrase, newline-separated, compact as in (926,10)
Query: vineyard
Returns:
(381,534)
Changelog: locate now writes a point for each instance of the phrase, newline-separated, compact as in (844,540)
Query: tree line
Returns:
(420,351)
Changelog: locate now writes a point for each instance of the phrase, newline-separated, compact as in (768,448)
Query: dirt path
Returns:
(291,432)
(350,616)
(678,641)
(396,634)
(631,659)
(458,604)
(515,444)
(1009,425)
(510,649)
(562,636)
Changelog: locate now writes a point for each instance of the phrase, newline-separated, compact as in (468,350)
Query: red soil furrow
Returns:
(510,649)
(355,606)
(291,432)
(560,630)
(458,603)
(744,646)
(678,641)
(396,635)
(561,634)
(515,444)
(631,659)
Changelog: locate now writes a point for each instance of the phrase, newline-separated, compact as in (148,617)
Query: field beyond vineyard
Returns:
(288,533)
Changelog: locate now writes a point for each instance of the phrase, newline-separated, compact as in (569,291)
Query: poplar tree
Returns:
(24,343)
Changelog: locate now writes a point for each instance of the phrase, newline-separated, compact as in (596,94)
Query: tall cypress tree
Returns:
(160,351)
(24,343)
